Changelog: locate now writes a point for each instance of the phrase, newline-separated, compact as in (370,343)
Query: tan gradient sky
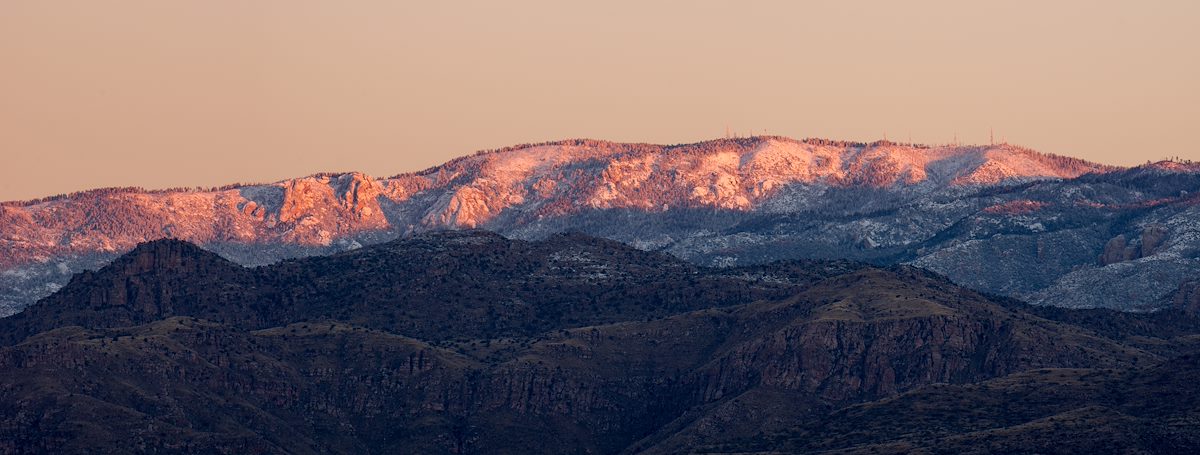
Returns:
(162,93)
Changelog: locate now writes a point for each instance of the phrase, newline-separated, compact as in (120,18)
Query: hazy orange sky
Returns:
(161,93)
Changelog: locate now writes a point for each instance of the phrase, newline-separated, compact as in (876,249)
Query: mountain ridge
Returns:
(709,189)
(1165,164)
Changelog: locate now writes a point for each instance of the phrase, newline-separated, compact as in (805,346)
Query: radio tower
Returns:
(991,136)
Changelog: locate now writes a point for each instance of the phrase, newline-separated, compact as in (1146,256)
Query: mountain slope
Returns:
(597,347)
(549,179)
(732,201)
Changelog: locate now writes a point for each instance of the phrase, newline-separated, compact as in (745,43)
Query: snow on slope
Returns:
(262,223)
(550,179)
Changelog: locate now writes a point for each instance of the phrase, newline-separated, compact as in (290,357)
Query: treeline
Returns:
(638,147)
(706,146)
(101,192)
(593,143)
(1060,161)
(1174,159)
(81,194)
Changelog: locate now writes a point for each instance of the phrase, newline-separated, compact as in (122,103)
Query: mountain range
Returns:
(471,342)
(1001,219)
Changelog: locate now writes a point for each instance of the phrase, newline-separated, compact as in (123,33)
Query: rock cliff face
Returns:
(492,345)
(1187,297)
(1120,250)
(1001,219)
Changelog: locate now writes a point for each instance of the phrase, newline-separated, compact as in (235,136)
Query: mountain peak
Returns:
(165,243)
(1189,167)
(166,254)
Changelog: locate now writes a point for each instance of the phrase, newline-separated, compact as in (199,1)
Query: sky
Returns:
(176,93)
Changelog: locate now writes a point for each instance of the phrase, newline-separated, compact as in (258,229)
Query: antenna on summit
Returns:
(991,136)
(726,131)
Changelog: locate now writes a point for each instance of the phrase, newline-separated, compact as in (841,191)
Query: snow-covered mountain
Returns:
(999,218)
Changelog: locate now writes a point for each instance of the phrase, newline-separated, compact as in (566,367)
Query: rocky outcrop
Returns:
(1187,298)
(1119,250)
(320,210)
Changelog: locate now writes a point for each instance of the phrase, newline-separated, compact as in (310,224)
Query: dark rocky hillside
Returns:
(437,286)
(1149,409)
(469,342)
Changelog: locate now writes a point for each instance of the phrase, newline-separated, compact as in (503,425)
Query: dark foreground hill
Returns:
(468,342)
